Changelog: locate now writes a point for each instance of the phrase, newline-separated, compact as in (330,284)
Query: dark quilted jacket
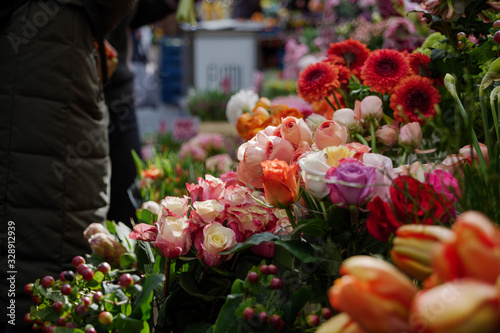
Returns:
(54,165)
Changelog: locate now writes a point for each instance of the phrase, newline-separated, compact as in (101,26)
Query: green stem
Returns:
(403,158)
(372,134)
(330,103)
(336,99)
(494,113)
(291,218)
(167,275)
(486,125)
(361,139)
(354,215)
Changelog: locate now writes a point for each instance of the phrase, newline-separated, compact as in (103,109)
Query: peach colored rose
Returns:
(358,149)
(328,134)
(280,183)
(295,130)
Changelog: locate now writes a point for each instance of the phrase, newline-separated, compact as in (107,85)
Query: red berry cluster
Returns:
(71,297)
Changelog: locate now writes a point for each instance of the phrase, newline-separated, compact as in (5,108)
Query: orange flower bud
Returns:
(462,306)
(341,323)
(280,183)
(412,248)
(375,294)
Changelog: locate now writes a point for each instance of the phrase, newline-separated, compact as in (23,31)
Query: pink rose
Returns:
(384,173)
(174,237)
(213,239)
(144,232)
(358,149)
(207,189)
(230,178)
(295,130)
(329,133)
(444,183)
(208,211)
(357,183)
(174,206)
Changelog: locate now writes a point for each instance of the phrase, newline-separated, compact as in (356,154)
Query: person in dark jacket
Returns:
(119,93)
(54,155)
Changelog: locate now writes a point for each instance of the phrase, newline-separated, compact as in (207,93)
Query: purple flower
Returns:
(351,183)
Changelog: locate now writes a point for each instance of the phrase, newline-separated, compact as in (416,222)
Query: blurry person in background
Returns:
(119,93)
(54,152)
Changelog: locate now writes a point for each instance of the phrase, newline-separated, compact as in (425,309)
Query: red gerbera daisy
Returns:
(414,99)
(339,63)
(317,81)
(353,51)
(419,66)
(384,69)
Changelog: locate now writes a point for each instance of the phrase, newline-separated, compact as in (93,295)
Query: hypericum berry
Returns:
(88,274)
(81,268)
(28,289)
(61,276)
(273,269)
(248,313)
(326,313)
(276,322)
(496,24)
(71,325)
(27,319)
(312,320)
(78,260)
(69,276)
(105,318)
(104,267)
(66,289)
(253,277)
(276,283)
(61,321)
(36,328)
(48,281)
(80,309)
(264,269)
(90,330)
(263,316)
(97,297)
(126,280)
(57,306)
(37,299)
(496,37)
(461,36)
(86,300)
(39,322)
(46,326)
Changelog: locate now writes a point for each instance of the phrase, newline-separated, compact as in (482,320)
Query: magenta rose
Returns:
(351,183)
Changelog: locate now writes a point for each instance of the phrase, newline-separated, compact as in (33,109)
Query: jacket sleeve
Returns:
(151,11)
(112,11)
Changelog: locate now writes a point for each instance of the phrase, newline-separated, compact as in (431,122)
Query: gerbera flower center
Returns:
(386,67)
(349,58)
(417,99)
(315,75)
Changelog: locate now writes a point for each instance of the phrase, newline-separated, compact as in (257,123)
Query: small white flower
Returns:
(243,100)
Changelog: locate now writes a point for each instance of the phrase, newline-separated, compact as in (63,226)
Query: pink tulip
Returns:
(387,135)
(461,306)
(295,130)
(375,294)
(328,134)
(346,117)
(410,135)
(473,252)
(370,107)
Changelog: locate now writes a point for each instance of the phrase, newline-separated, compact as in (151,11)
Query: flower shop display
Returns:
(368,205)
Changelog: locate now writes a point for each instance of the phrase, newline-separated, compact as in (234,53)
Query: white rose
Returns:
(208,210)
(175,205)
(314,168)
(243,100)
(218,238)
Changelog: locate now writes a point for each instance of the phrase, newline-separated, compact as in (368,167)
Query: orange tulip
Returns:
(412,248)
(461,306)
(473,252)
(374,294)
(280,183)
(341,323)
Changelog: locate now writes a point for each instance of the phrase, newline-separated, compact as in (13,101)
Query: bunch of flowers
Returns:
(209,148)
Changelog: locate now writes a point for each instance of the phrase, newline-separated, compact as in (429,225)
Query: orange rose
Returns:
(280,183)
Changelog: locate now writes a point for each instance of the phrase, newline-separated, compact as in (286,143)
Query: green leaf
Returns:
(226,322)
(124,324)
(313,227)
(299,249)
(188,283)
(127,259)
(299,299)
(142,304)
(145,216)
(122,231)
(200,327)
(255,239)
(484,52)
